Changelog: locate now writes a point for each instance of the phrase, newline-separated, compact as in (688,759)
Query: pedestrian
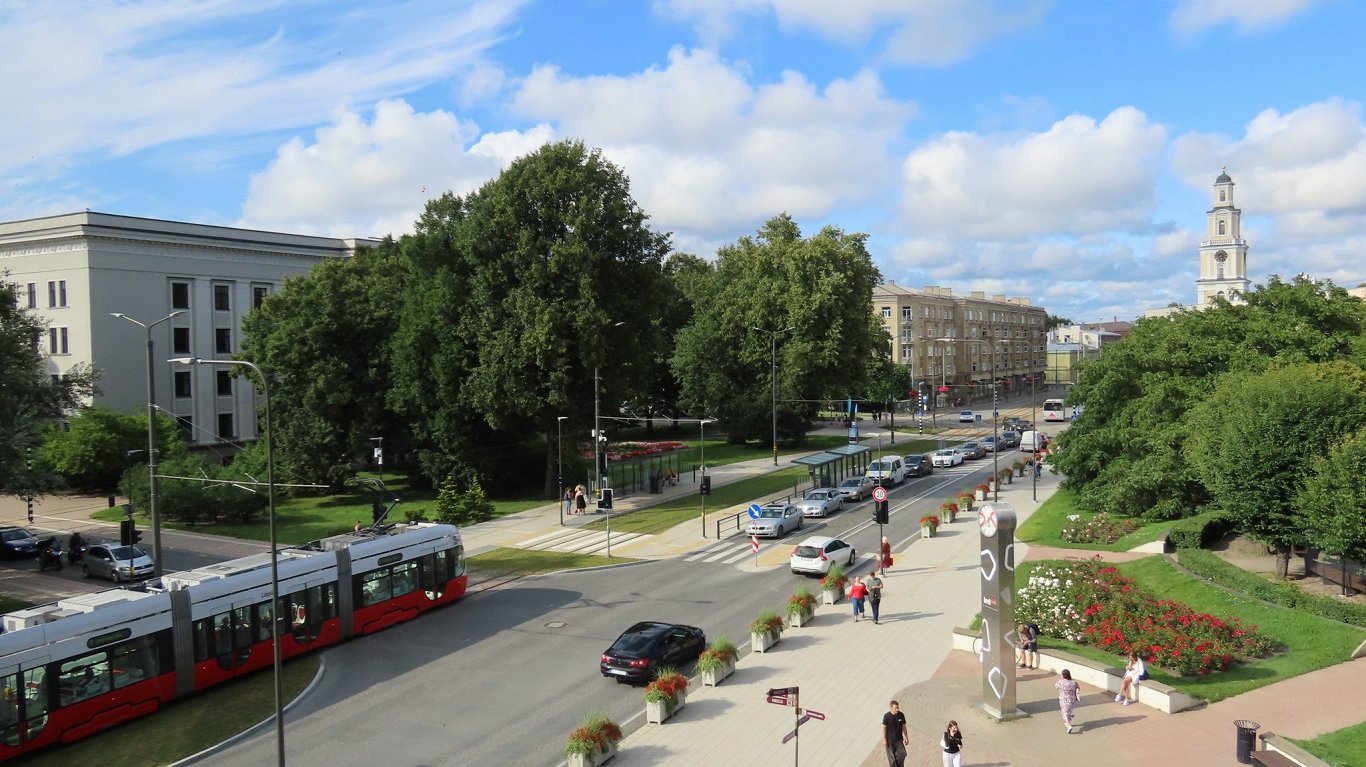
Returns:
(1030,639)
(874,584)
(1069,693)
(581,499)
(567,502)
(1135,671)
(952,743)
(895,736)
(1021,640)
(857,591)
(358,527)
(1038,466)
(886,554)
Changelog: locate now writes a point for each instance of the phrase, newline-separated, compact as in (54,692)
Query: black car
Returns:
(918,465)
(1010,439)
(641,650)
(17,542)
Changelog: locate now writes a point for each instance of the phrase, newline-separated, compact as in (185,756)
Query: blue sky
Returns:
(1058,149)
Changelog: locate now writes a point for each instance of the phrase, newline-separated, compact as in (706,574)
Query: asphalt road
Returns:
(501,677)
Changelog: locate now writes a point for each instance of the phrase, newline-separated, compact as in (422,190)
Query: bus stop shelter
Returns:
(830,467)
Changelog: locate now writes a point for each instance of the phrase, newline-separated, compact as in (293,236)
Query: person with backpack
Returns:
(1032,646)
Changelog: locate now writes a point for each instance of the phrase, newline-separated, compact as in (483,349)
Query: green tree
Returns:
(325,339)
(818,287)
(29,397)
(1250,436)
(187,492)
(1334,499)
(514,292)
(462,506)
(1054,321)
(100,444)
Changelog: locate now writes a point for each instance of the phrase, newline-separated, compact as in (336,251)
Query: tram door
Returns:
(24,703)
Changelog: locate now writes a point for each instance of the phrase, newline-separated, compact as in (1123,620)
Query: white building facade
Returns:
(78,269)
(1223,252)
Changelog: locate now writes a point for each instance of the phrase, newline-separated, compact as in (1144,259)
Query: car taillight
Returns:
(640,663)
(794,552)
(822,556)
(606,659)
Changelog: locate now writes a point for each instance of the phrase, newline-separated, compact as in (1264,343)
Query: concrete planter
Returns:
(981,495)
(713,677)
(831,596)
(761,642)
(926,531)
(657,711)
(592,760)
(799,619)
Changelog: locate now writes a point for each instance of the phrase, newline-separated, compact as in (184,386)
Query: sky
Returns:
(1062,150)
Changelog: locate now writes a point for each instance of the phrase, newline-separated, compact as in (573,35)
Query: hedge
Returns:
(1208,565)
(1200,531)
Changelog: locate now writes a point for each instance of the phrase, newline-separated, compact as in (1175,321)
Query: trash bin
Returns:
(654,483)
(1247,740)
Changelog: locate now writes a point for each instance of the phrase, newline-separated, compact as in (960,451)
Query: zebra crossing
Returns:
(578,541)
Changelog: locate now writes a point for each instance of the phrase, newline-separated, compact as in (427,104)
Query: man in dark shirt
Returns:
(895,736)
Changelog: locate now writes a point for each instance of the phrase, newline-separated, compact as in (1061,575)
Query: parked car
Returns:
(117,563)
(644,648)
(966,416)
(815,555)
(973,450)
(947,458)
(887,472)
(918,465)
(821,502)
(1010,439)
(990,444)
(855,488)
(776,520)
(17,542)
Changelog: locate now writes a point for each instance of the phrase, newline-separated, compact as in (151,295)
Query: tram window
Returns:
(329,594)
(201,633)
(83,678)
(35,701)
(376,587)
(9,709)
(459,562)
(263,622)
(404,578)
(309,609)
(133,661)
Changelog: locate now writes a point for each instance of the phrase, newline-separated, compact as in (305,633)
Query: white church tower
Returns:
(1223,253)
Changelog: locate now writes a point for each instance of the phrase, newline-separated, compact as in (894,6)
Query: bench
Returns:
(1272,759)
(1279,752)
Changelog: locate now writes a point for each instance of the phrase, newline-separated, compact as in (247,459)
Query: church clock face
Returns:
(1221,256)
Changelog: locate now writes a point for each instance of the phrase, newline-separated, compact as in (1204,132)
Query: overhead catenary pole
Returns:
(559,464)
(773,379)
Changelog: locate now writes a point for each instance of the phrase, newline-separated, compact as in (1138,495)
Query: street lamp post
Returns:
(599,459)
(274,553)
(559,463)
(1033,406)
(702,449)
(773,379)
(152,488)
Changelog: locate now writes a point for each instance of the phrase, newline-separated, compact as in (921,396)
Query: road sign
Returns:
(806,712)
(781,700)
(754,544)
(793,734)
(783,691)
(755,510)
(879,494)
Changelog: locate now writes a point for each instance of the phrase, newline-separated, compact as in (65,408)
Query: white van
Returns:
(1032,440)
(887,471)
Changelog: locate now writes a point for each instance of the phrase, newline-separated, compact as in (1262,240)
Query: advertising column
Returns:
(996,526)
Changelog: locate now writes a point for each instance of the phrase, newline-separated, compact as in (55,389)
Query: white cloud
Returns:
(1078,177)
(1195,16)
(933,32)
(371,179)
(708,152)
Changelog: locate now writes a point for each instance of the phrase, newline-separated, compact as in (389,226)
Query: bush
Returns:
(593,735)
(1200,531)
(462,507)
(835,578)
(768,622)
(1207,565)
(722,652)
(802,601)
(1097,529)
(668,684)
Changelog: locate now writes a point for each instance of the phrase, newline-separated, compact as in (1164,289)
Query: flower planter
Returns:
(798,619)
(1009,478)
(926,531)
(981,495)
(657,711)
(761,642)
(831,596)
(949,517)
(592,760)
(713,677)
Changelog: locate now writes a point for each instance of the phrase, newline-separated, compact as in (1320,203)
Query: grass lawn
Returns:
(8,605)
(503,561)
(187,726)
(1342,748)
(1311,642)
(656,519)
(1043,526)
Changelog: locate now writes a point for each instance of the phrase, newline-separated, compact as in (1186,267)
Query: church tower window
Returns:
(1223,195)
(1221,227)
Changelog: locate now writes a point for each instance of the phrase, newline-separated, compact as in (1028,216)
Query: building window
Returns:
(61,337)
(180,295)
(51,340)
(222,298)
(1221,227)
(886,313)
(222,340)
(225,426)
(224,378)
(180,340)
(51,293)
(186,423)
(1222,195)
(61,293)
(907,313)
(33,295)
(182,384)
(258,295)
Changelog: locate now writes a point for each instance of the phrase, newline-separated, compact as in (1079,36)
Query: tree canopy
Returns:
(1334,498)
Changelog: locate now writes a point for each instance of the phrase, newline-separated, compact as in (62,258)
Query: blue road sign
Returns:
(754,510)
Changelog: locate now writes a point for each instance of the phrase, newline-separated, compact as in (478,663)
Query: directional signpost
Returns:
(754,511)
(787,696)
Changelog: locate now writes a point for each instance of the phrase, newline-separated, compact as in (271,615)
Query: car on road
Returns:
(117,563)
(1010,439)
(821,502)
(991,444)
(973,450)
(887,472)
(776,520)
(855,488)
(815,555)
(1033,440)
(918,465)
(947,458)
(966,416)
(17,542)
(644,648)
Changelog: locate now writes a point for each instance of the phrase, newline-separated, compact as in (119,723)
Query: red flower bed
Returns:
(622,451)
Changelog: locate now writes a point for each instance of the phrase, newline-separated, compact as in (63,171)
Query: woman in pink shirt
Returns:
(857,591)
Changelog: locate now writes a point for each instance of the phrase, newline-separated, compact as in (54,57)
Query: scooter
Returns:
(49,555)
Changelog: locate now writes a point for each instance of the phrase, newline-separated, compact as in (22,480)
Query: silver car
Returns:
(855,488)
(821,502)
(776,520)
(117,563)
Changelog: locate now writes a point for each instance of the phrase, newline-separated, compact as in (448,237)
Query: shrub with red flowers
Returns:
(1091,603)
(1097,529)
(965,500)
(666,688)
(948,507)
(929,520)
(623,451)
(593,736)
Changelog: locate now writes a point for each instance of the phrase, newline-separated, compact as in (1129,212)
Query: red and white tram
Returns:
(73,668)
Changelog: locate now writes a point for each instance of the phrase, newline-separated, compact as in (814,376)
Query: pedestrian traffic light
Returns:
(137,535)
(880,514)
(602,464)
(605,498)
(706,484)
(126,531)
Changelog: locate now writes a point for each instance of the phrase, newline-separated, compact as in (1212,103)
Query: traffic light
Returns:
(602,464)
(126,532)
(605,498)
(706,484)
(880,514)
(137,535)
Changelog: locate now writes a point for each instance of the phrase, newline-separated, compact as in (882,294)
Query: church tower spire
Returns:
(1223,252)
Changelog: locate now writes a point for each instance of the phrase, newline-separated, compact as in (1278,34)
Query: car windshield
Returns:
(817,495)
(880,466)
(944,452)
(14,535)
(855,482)
(808,552)
(912,460)
(631,643)
(127,552)
(771,513)
(964,412)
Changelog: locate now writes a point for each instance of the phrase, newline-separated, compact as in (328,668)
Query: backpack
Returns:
(1034,632)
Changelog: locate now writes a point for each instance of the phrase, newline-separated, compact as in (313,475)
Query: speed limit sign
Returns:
(879,494)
